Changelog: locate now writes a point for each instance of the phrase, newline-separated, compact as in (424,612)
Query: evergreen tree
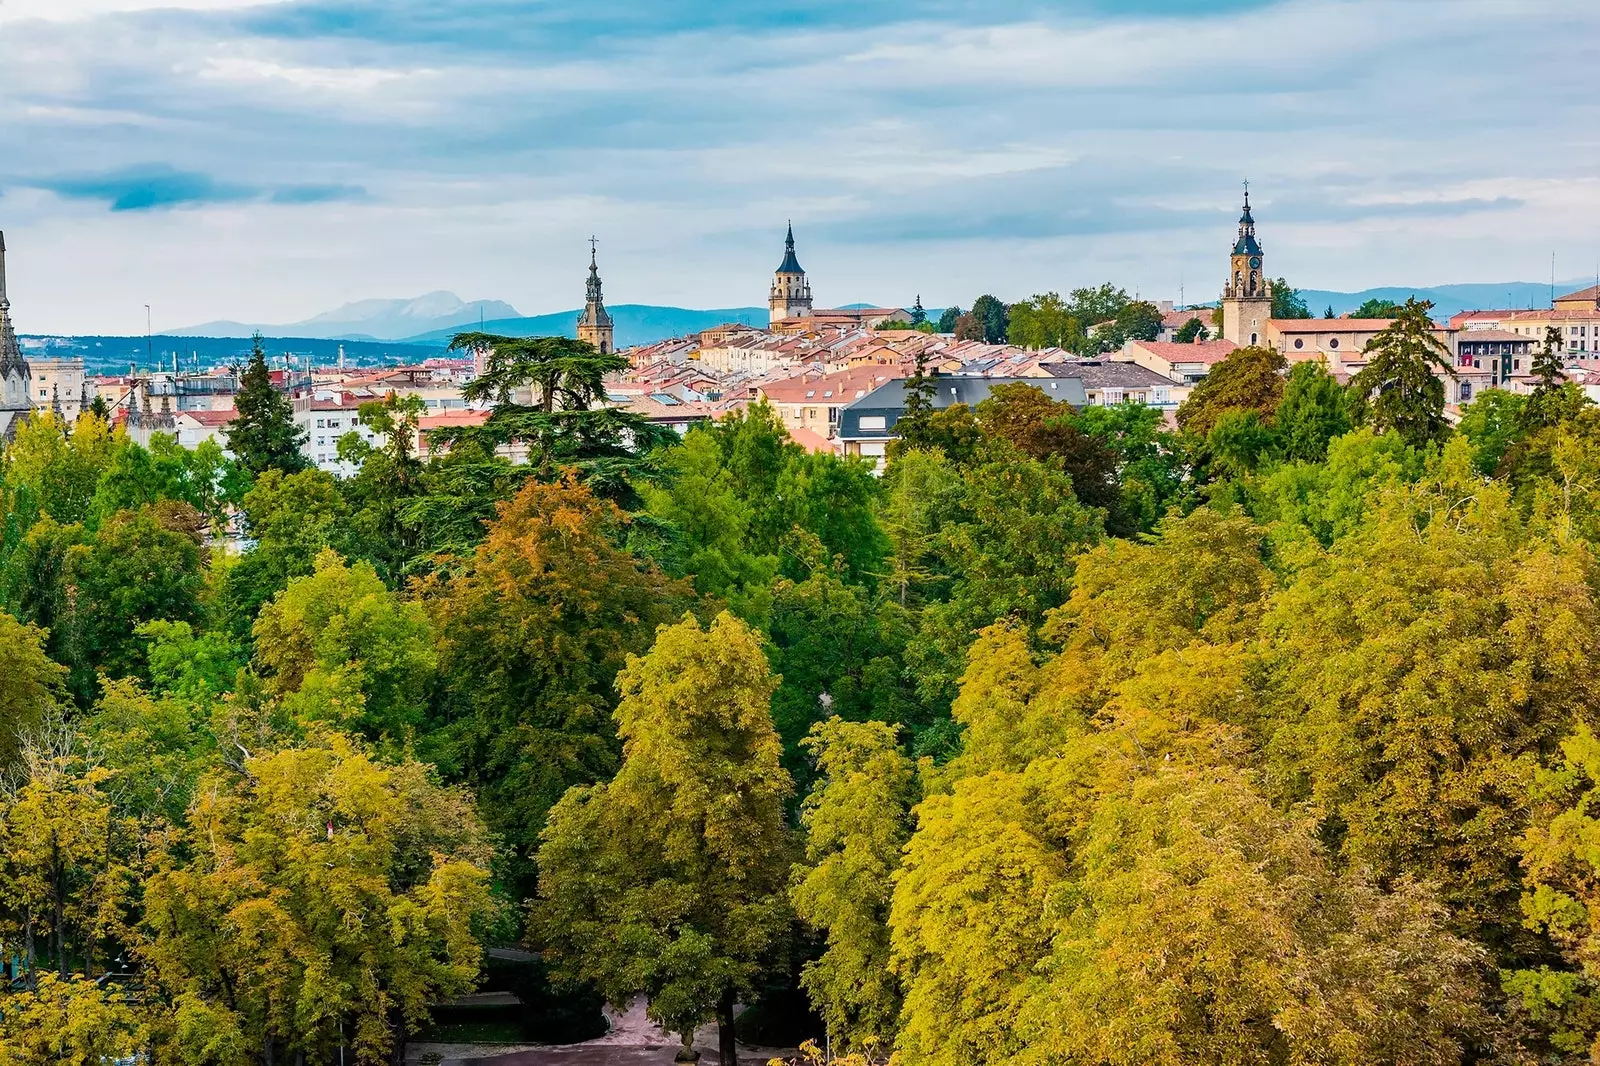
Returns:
(993,318)
(264,437)
(1192,331)
(1312,412)
(918,315)
(1400,388)
(1545,405)
(1287,302)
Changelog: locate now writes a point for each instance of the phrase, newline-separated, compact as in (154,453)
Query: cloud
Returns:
(152,186)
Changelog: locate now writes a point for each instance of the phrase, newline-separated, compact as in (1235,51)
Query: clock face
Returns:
(1255,262)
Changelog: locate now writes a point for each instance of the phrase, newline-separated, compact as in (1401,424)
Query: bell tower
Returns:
(791,292)
(1247,298)
(595,325)
(16,378)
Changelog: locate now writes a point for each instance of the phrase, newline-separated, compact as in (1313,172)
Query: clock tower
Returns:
(1247,298)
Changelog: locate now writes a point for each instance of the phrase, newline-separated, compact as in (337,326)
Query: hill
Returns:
(1447,299)
(366,320)
(635,323)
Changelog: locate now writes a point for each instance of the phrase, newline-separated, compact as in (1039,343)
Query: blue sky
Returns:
(268,161)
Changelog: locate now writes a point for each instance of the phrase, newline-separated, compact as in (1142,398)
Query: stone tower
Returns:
(594,325)
(791,292)
(16,380)
(1247,298)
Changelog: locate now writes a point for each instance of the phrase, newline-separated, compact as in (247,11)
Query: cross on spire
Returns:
(1246,192)
(594,244)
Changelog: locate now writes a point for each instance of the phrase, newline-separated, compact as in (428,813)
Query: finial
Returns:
(594,243)
(790,239)
(1247,194)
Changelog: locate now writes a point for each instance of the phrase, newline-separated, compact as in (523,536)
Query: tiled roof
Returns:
(1173,352)
(1331,325)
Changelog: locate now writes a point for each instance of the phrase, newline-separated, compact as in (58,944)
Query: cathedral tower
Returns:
(594,325)
(791,292)
(16,380)
(1247,298)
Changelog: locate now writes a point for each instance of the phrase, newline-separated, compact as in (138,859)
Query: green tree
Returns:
(857,821)
(992,317)
(388,477)
(1249,379)
(531,631)
(1493,424)
(1552,400)
(340,630)
(1311,413)
(1377,308)
(948,319)
(1037,426)
(1136,320)
(290,518)
(918,315)
(1287,302)
(669,880)
(1192,331)
(1402,387)
(263,435)
(566,422)
(1042,321)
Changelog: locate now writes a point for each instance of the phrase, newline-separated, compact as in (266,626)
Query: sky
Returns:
(269,161)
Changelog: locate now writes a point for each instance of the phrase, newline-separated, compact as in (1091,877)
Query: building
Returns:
(60,385)
(814,403)
(791,292)
(1184,364)
(1247,298)
(1489,358)
(1108,382)
(1582,300)
(867,425)
(16,380)
(595,325)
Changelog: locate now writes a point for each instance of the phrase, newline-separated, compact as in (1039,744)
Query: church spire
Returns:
(790,295)
(595,325)
(10,354)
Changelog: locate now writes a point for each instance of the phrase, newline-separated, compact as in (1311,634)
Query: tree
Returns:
(1042,321)
(340,630)
(531,631)
(1375,307)
(567,422)
(1287,301)
(969,328)
(992,317)
(669,880)
(1192,331)
(70,1022)
(1249,379)
(1401,387)
(857,821)
(291,518)
(918,315)
(1024,417)
(317,899)
(387,479)
(948,319)
(1493,424)
(1329,312)
(1311,413)
(1549,403)
(32,687)
(1136,320)
(263,435)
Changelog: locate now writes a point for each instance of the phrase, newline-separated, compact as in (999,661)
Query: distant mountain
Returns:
(368,320)
(114,355)
(1447,299)
(635,323)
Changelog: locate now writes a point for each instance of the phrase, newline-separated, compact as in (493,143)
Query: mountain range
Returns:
(369,320)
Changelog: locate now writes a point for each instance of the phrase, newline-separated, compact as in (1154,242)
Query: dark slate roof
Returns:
(889,400)
(790,264)
(1108,373)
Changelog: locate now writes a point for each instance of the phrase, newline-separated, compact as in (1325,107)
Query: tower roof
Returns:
(10,354)
(594,304)
(1247,244)
(790,264)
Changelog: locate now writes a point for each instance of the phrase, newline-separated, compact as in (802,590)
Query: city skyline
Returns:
(269,162)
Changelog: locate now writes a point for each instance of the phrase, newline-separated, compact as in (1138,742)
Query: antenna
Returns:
(149,338)
(1552,280)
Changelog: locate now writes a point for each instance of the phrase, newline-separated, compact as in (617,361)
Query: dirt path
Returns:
(634,1040)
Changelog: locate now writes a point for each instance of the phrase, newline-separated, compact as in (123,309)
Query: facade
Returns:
(791,292)
(1489,358)
(595,325)
(16,379)
(1247,298)
(867,425)
(1108,382)
(59,385)
(814,403)
(1184,364)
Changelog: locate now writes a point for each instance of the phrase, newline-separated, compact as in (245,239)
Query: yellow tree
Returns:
(857,820)
(72,1022)
(319,899)
(669,880)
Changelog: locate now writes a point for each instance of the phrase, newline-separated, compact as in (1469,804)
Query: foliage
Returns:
(1287,302)
(1311,413)
(1400,388)
(531,631)
(992,318)
(69,1022)
(857,820)
(1377,307)
(1043,321)
(263,435)
(1248,379)
(1191,331)
(32,687)
(669,879)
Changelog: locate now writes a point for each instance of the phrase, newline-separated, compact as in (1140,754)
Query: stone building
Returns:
(1247,298)
(16,379)
(595,325)
(791,292)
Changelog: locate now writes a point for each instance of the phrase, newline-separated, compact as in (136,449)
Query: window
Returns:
(1299,342)
(869,422)
(321,423)
(1112,396)
(1333,342)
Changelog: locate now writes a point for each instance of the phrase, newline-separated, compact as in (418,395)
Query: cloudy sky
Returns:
(268,161)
